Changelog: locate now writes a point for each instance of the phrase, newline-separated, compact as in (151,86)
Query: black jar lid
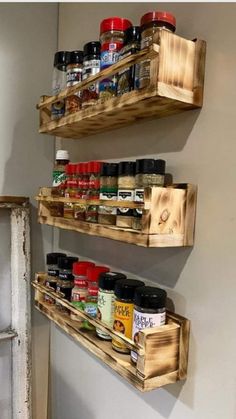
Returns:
(61,59)
(112,169)
(107,280)
(150,297)
(125,288)
(92,48)
(160,166)
(76,57)
(52,258)
(132,34)
(67,262)
(145,166)
(126,168)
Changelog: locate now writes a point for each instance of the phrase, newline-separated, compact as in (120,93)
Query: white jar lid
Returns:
(62,155)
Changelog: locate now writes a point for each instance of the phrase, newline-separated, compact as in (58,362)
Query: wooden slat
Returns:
(190,215)
(8,202)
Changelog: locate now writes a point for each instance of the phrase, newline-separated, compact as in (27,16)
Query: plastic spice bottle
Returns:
(149,311)
(52,274)
(127,79)
(91,300)
(94,168)
(80,290)
(108,191)
(61,59)
(65,281)
(149,172)
(124,306)
(126,186)
(91,66)
(150,23)
(112,40)
(74,72)
(59,173)
(84,180)
(106,300)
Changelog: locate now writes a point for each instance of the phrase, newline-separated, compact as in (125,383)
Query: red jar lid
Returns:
(71,168)
(81,283)
(80,268)
(79,168)
(114,23)
(93,273)
(94,166)
(93,291)
(158,16)
(85,168)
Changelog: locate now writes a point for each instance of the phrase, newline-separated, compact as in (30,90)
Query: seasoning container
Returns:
(94,168)
(112,40)
(106,300)
(91,66)
(74,72)
(108,191)
(61,59)
(65,281)
(150,23)
(80,209)
(149,311)
(80,290)
(91,300)
(126,186)
(91,213)
(127,79)
(71,189)
(59,173)
(52,274)
(123,314)
(85,181)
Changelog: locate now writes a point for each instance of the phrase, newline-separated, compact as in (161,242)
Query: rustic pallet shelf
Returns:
(162,351)
(168,217)
(176,85)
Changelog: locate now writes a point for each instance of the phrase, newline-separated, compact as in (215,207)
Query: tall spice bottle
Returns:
(74,72)
(91,66)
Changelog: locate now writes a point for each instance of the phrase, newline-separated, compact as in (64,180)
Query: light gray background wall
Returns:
(28,39)
(200,148)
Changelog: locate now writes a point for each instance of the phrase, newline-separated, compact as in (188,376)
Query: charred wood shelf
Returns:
(168,217)
(176,85)
(162,351)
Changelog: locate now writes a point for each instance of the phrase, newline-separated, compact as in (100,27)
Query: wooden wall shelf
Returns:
(176,85)
(162,351)
(168,217)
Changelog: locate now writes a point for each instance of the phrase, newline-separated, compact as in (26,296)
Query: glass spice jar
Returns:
(65,281)
(61,60)
(123,313)
(74,72)
(106,300)
(84,180)
(59,173)
(126,186)
(91,66)
(108,191)
(150,23)
(112,40)
(71,189)
(94,168)
(149,311)
(52,274)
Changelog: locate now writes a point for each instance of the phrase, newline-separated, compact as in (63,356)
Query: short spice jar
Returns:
(59,173)
(149,311)
(106,300)
(123,312)
(52,274)
(127,79)
(112,40)
(65,281)
(91,66)
(150,23)
(74,72)
(80,290)
(126,187)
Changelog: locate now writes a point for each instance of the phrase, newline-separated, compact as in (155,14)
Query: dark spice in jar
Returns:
(91,66)
(126,186)
(52,274)
(65,281)
(74,76)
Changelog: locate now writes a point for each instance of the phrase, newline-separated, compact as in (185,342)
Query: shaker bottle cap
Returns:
(114,23)
(125,288)
(150,297)
(52,258)
(62,155)
(107,280)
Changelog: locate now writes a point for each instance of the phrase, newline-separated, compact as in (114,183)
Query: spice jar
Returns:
(127,79)
(59,173)
(91,66)
(123,314)
(65,281)
(71,189)
(80,290)
(108,191)
(91,300)
(52,274)
(61,60)
(94,168)
(74,72)
(85,180)
(112,40)
(126,186)
(149,172)
(106,300)
(150,23)
(149,311)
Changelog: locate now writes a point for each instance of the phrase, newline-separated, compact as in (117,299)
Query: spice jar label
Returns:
(139,195)
(105,309)
(108,195)
(125,195)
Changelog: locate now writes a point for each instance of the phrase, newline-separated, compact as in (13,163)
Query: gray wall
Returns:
(28,34)
(200,148)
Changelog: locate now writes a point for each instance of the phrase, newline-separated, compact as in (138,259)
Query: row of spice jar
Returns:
(124,181)
(118,40)
(126,305)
